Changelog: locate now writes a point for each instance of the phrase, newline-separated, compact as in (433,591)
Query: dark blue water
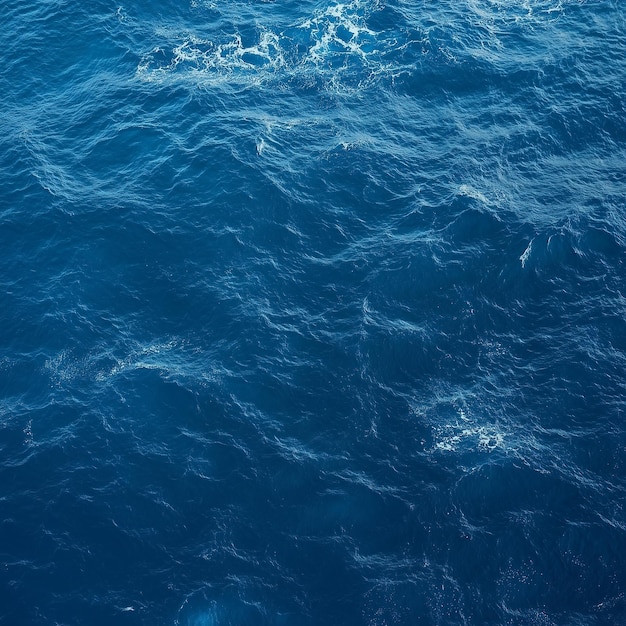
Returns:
(313,313)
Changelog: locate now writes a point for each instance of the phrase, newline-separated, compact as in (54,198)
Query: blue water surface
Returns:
(313,312)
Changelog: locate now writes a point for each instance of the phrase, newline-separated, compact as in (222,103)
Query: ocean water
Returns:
(313,313)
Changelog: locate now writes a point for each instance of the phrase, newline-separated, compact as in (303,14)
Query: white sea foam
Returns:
(206,60)
(470,192)
(334,43)
(453,436)
(458,427)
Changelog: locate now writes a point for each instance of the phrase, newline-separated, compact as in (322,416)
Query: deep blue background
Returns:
(313,313)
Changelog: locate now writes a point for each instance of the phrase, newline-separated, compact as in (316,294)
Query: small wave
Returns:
(526,254)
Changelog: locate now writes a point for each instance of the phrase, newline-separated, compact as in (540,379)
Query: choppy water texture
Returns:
(313,312)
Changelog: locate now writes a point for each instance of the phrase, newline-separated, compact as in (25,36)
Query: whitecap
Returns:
(526,254)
